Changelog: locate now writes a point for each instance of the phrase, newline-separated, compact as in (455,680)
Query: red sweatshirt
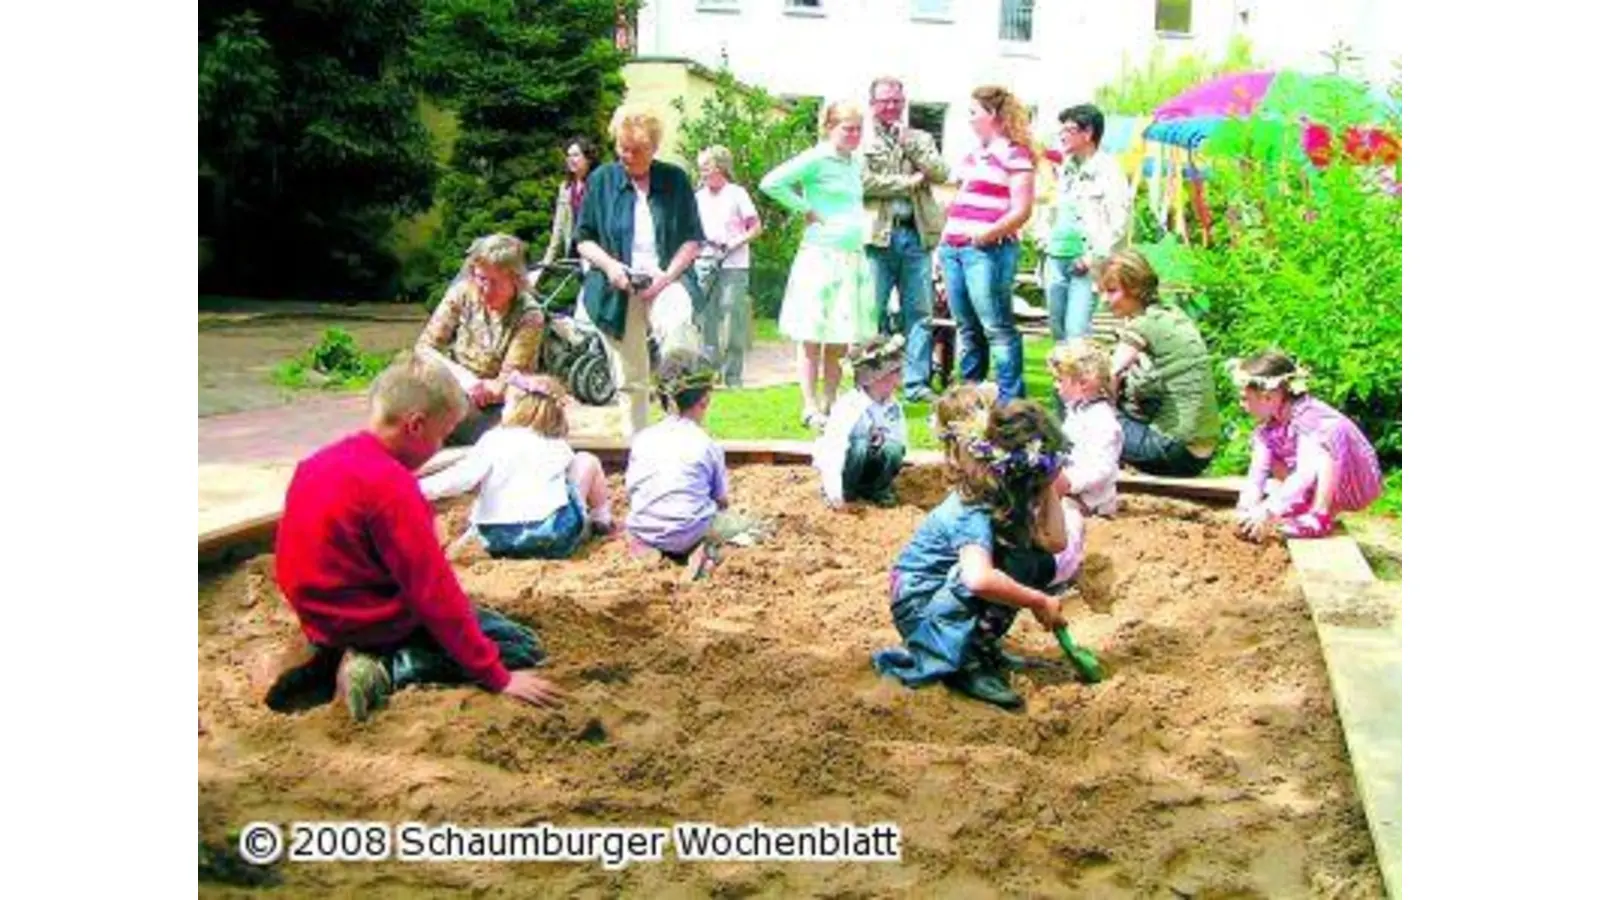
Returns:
(359,563)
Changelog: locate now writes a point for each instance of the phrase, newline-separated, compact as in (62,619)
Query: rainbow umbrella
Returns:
(1290,98)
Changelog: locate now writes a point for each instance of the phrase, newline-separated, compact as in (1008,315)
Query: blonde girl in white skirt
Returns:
(830,302)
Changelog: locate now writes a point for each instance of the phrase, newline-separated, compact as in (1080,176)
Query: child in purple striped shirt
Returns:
(1308,461)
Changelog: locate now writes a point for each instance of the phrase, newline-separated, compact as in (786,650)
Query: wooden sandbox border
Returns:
(1362,653)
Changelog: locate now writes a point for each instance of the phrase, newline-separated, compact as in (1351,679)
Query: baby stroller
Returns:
(572,350)
(942,333)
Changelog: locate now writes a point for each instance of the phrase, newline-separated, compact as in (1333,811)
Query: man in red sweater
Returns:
(358,561)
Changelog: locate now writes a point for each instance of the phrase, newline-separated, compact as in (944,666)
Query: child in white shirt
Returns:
(1087,484)
(537,499)
(864,444)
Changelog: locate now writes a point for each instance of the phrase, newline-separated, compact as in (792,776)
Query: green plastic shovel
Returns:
(1080,657)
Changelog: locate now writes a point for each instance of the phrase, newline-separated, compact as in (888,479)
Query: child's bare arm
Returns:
(982,578)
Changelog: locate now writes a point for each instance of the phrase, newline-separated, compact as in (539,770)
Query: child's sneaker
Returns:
(1308,525)
(363,684)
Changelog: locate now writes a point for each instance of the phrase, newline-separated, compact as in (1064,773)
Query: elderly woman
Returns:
(485,328)
(1162,373)
(638,217)
(582,158)
(729,218)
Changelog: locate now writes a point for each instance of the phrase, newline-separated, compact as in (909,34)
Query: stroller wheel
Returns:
(591,381)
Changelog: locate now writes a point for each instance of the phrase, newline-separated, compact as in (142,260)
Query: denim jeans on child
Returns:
(556,537)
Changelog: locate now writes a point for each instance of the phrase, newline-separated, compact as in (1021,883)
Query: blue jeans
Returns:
(904,264)
(558,536)
(978,281)
(1153,453)
(1071,298)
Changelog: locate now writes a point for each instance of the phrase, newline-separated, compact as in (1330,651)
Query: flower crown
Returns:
(1032,456)
(1294,381)
(879,360)
(537,385)
(687,380)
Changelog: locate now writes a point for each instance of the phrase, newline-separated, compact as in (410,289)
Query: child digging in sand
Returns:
(677,477)
(1087,483)
(536,498)
(864,444)
(1308,462)
(360,565)
(981,555)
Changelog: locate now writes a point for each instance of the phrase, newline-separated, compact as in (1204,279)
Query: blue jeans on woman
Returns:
(1071,299)
(978,281)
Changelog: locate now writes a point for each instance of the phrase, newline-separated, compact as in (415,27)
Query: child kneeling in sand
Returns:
(864,445)
(360,565)
(538,499)
(1308,461)
(1087,483)
(981,555)
(677,477)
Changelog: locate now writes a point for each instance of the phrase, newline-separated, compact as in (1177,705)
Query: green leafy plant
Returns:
(521,77)
(335,362)
(761,131)
(310,145)
(1305,260)
(1138,90)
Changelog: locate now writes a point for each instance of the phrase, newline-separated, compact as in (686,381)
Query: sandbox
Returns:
(1209,764)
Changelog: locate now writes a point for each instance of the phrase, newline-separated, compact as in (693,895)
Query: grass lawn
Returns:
(773,413)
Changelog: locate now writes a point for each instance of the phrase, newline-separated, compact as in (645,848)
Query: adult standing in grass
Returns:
(902,165)
(1162,372)
(978,251)
(582,158)
(829,302)
(729,218)
(638,215)
(486,327)
(1090,220)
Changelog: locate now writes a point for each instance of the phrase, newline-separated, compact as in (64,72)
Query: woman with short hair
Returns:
(486,328)
(638,216)
(1163,375)
(730,221)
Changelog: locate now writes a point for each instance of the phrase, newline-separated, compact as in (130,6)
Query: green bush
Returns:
(762,133)
(1137,91)
(335,362)
(521,78)
(1304,260)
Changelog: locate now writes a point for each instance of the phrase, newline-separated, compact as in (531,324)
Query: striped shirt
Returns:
(985,192)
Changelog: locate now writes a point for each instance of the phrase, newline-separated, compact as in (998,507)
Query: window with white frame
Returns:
(717,5)
(1174,16)
(803,5)
(1016,20)
(932,10)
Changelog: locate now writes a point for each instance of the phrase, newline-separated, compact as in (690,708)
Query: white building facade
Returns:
(1051,52)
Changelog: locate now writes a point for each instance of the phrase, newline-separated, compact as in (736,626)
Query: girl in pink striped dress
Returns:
(1308,461)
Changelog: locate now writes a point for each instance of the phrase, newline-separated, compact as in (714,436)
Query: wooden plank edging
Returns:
(613,452)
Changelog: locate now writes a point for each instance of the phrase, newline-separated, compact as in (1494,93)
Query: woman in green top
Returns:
(830,302)
(1162,372)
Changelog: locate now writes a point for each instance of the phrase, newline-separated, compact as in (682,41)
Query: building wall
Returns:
(658,82)
(1077,44)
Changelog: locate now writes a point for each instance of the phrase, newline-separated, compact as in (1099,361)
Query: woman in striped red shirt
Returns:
(978,250)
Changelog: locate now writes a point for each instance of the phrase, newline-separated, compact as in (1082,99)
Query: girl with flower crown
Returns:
(537,499)
(1308,461)
(984,553)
